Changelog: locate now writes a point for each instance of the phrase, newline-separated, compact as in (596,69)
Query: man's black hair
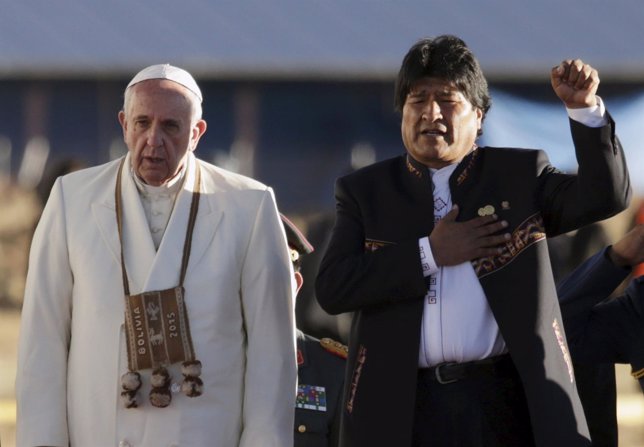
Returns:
(446,57)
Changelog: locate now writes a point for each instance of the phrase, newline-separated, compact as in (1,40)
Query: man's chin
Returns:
(426,155)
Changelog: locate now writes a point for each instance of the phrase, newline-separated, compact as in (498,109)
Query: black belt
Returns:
(450,372)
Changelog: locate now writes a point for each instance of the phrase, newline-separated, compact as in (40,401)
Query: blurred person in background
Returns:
(603,331)
(638,270)
(457,336)
(55,170)
(569,250)
(320,368)
(159,301)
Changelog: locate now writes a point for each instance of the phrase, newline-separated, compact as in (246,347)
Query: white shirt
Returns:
(158,202)
(458,325)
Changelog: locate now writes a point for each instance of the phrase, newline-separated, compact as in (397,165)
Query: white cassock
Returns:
(239,299)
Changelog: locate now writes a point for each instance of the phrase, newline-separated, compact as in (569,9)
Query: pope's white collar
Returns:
(171,187)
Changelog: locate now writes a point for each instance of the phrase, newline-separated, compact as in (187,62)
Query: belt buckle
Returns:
(437,373)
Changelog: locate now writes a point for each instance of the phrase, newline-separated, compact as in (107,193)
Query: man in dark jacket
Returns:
(457,336)
(320,369)
(603,331)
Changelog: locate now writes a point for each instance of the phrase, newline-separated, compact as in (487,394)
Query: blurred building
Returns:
(296,92)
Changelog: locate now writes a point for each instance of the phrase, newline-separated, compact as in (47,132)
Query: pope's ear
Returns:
(122,121)
(201,127)
(197,131)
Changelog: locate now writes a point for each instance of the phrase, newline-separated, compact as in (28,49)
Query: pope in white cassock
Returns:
(158,308)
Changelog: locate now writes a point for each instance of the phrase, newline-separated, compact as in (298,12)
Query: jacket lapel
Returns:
(139,248)
(417,185)
(104,214)
(463,179)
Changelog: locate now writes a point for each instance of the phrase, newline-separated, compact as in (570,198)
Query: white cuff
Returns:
(426,257)
(594,116)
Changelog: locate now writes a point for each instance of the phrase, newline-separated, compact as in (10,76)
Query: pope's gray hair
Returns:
(195,102)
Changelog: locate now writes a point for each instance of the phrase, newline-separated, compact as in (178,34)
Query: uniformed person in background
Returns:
(604,328)
(320,369)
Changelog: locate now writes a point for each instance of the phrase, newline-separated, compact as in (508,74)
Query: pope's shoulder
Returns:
(94,175)
(228,180)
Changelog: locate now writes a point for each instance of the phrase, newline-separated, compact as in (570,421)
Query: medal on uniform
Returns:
(311,397)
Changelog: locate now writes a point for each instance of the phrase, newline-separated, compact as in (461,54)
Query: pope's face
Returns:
(159,128)
(439,125)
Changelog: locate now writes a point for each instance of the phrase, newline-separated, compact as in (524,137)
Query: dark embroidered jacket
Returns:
(372,268)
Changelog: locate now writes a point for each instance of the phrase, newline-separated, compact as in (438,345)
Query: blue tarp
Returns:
(515,120)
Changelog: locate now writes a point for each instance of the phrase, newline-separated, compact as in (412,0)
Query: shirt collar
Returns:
(169,188)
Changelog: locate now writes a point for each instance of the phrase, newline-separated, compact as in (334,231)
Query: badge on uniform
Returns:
(311,397)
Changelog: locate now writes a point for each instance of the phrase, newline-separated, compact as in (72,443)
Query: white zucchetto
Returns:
(169,72)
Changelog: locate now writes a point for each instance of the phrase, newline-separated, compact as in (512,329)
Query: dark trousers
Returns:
(481,409)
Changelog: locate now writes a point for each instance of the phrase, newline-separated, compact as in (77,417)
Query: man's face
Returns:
(439,125)
(159,129)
